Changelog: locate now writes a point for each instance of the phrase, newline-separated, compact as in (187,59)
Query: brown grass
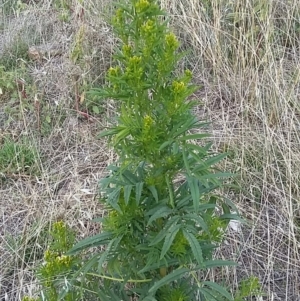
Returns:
(245,56)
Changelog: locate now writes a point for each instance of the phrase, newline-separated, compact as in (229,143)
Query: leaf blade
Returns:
(195,246)
(169,278)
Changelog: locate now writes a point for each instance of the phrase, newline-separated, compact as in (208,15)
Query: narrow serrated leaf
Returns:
(93,241)
(138,191)
(216,287)
(127,192)
(162,234)
(108,133)
(195,147)
(218,263)
(207,294)
(153,190)
(193,137)
(103,296)
(121,135)
(162,212)
(194,188)
(198,219)
(170,236)
(175,275)
(209,162)
(103,256)
(165,144)
(149,298)
(185,126)
(186,161)
(130,177)
(195,246)
(113,198)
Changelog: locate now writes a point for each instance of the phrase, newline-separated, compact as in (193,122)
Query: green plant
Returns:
(17,157)
(9,7)
(64,8)
(16,50)
(247,288)
(7,82)
(162,227)
(28,247)
(26,298)
(58,266)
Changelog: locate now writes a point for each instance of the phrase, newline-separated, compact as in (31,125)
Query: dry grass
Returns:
(245,55)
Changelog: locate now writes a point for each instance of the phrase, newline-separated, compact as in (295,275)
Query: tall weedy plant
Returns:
(161,228)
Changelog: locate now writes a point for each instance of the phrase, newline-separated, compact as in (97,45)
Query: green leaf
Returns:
(217,288)
(162,212)
(186,161)
(93,241)
(113,198)
(208,295)
(198,219)
(215,175)
(121,135)
(194,188)
(170,236)
(130,177)
(127,193)
(154,192)
(195,246)
(103,296)
(108,133)
(48,119)
(193,137)
(183,127)
(175,275)
(218,263)
(138,191)
(87,266)
(149,298)
(199,149)
(171,190)
(209,162)
(165,144)
(104,255)
(96,110)
(232,216)
(162,234)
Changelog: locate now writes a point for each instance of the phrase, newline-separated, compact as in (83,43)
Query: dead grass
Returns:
(250,78)
(246,57)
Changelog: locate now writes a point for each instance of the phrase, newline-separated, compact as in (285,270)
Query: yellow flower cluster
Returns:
(127,50)
(135,60)
(55,261)
(148,121)
(148,26)
(172,41)
(178,87)
(113,71)
(141,6)
(63,260)
(188,73)
(118,19)
(58,226)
